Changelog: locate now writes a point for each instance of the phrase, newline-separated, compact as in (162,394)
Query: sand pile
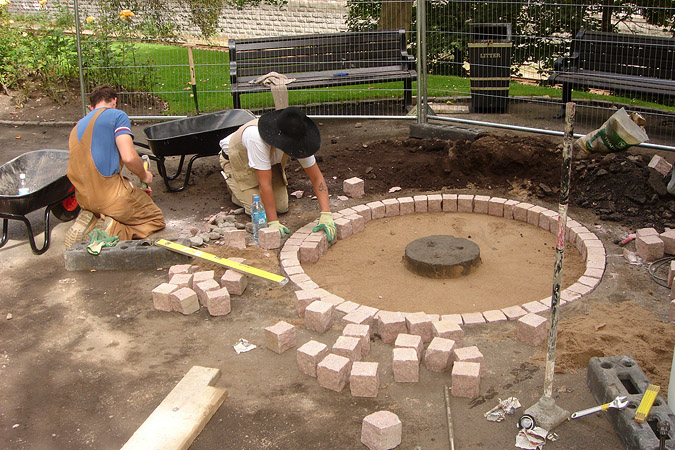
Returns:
(612,329)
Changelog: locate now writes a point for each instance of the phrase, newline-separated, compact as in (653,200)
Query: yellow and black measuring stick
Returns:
(646,403)
(178,248)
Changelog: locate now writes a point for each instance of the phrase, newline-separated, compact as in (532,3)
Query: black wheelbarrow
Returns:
(198,136)
(48,186)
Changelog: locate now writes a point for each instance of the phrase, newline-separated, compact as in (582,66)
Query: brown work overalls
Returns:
(243,181)
(135,214)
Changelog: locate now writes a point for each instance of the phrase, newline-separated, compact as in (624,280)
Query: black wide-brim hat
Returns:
(290,130)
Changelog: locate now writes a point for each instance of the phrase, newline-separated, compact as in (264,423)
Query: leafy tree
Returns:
(541,29)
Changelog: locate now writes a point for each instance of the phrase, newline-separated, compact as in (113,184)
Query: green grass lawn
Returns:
(170,80)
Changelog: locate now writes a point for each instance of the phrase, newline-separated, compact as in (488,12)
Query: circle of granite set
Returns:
(306,246)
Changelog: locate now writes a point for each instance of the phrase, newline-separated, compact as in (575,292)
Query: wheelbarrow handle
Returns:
(141,144)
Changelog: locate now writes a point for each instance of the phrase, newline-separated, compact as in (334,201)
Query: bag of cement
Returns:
(617,134)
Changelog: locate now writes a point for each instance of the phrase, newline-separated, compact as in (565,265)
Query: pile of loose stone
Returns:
(188,289)
(229,228)
(418,338)
(434,340)
(218,228)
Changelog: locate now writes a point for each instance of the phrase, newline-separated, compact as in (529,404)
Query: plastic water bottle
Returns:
(258,217)
(23,186)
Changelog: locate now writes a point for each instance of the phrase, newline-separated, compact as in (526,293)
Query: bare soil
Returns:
(84,357)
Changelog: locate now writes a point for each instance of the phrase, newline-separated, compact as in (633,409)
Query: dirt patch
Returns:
(67,327)
(253,256)
(616,329)
(618,187)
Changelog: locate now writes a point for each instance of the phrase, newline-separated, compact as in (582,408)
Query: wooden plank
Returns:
(635,55)
(593,79)
(307,80)
(182,415)
(324,60)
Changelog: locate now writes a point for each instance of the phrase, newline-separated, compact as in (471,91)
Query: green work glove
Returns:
(326,224)
(100,239)
(279,226)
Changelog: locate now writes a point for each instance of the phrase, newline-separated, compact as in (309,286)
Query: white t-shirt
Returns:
(259,152)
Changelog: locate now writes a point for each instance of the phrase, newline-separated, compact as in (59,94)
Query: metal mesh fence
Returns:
(504,63)
(517,62)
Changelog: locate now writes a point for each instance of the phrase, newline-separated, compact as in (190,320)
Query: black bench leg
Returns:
(407,94)
(236,101)
(3,241)
(566,97)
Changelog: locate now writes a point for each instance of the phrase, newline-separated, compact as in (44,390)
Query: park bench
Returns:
(322,60)
(622,63)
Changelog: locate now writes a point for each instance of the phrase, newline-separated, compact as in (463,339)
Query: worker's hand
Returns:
(147,177)
(327,224)
(145,182)
(278,226)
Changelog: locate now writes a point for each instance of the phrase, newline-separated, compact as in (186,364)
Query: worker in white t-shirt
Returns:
(254,158)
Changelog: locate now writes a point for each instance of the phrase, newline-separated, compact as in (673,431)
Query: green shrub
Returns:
(35,54)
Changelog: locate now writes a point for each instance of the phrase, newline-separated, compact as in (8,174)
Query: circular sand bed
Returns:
(517,252)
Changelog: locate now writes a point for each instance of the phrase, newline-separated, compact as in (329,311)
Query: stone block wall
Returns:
(295,17)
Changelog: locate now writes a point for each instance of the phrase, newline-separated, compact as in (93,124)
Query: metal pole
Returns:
(451,433)
(565,176)
(532,130)
(79,56)
(421,62)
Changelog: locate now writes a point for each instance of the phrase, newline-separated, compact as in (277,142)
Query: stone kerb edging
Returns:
(305,246)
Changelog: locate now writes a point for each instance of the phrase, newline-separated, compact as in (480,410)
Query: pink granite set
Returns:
(651,245)
(188,289)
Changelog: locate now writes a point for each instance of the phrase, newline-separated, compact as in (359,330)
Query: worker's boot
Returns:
(84,224)
(108,224)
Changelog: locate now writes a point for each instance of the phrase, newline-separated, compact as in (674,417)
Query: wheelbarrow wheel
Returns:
(63,214)
(68,209)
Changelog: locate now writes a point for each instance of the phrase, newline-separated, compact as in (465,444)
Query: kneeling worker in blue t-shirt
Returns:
(101,144)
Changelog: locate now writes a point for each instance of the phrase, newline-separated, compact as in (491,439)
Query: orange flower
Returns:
(126,14)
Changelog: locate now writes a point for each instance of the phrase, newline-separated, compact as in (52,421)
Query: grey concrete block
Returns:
(612,376)
(451,132)
(126,255)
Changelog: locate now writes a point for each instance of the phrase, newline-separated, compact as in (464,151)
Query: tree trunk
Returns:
(607,18)
(395,14)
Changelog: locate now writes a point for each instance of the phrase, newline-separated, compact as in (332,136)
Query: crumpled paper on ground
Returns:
(632,257)
(531,439)
(504,407)
(243,346)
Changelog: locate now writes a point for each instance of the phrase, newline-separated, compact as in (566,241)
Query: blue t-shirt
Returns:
(110,124)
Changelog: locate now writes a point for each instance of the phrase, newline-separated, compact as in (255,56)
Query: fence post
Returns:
(79,56)
(421,62)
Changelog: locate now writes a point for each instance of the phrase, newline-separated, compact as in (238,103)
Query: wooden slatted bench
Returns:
(622,63)
(322,60)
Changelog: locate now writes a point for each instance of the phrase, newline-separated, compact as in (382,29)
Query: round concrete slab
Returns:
(442,256)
